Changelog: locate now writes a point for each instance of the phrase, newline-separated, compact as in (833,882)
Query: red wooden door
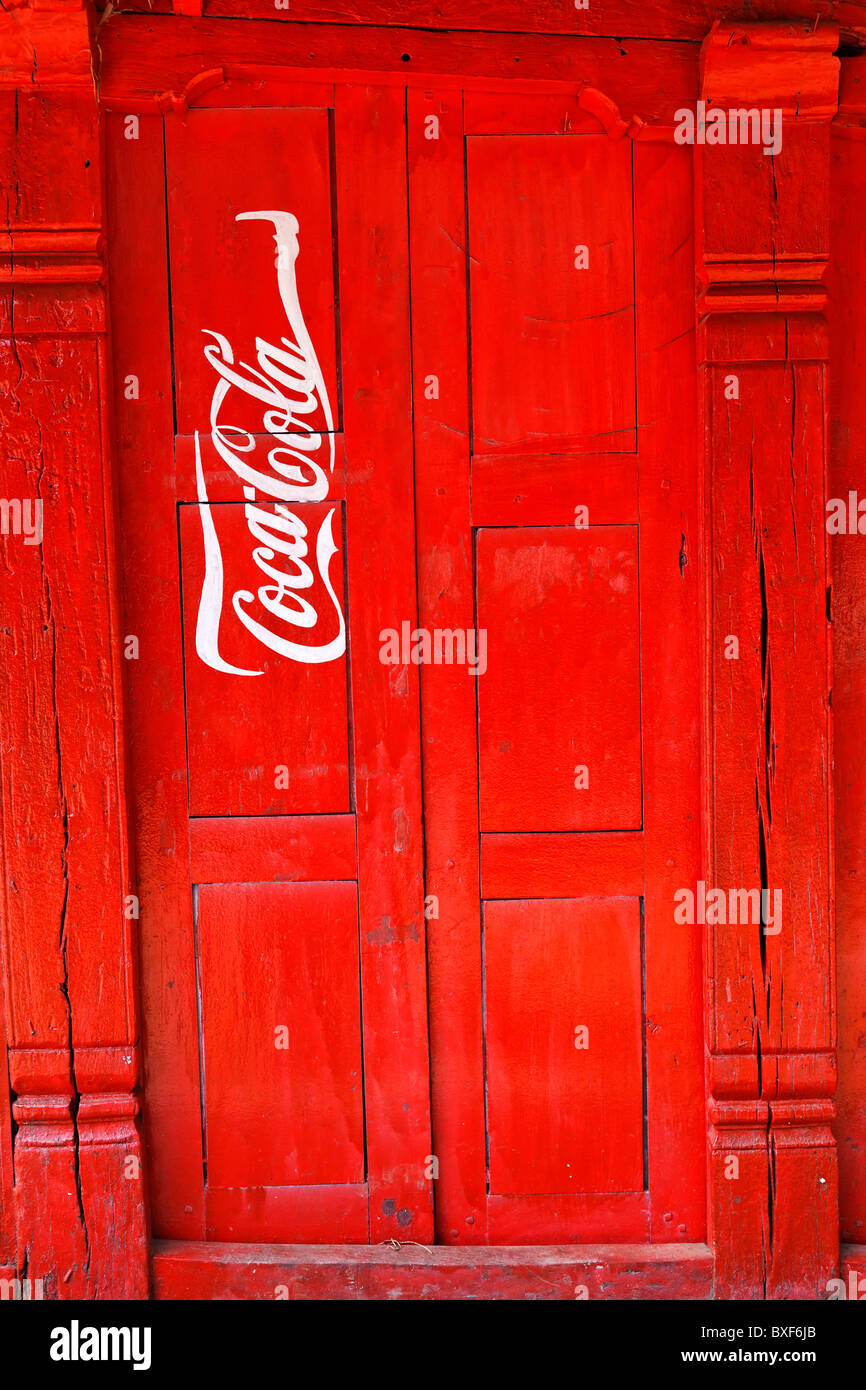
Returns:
(276,760)
(342,315)
(557,512)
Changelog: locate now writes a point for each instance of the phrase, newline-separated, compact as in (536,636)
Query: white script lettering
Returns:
(288,385)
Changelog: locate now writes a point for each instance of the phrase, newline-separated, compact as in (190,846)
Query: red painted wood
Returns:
(185,1111)
(73,1056)
(553,970)
(576,1216)
(801,79)
(220,162)
(75,615)
(852,1261)
(284,749)
(671,634)
(8,1254)
(248,91)
(370,137)
(145,67)
(663,19)
(309,1215)
(547,489)
(484,113)
(195,1270)
(154,681)
(846,277)
(533,202)
(67,949)
(223,483)
(519,492)
(445,600)
(562,864)
(281,1014)
(249,849)
(763,710)
(549,600)
(229,743)
(281,766)
(770,1007)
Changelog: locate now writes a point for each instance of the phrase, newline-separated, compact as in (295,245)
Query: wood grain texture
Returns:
(370,135)
(571,1216)
(281,1033)
(226,162)
(8,1254)
(551,270)
(562,114)
(547,489)
(143,64)
(853,1261)
(48,46)
(271,744)
(251,849)
(801,79)
(437,221)
(671,632)
(69,947)
(564,602)
(228,849)
(664,19)
(846,278)
(287,1160)
(770,1023)
(154,682)
(552,1272)
(562,1016)
(562,865)
(772,594)
(306,1215)
(512,496)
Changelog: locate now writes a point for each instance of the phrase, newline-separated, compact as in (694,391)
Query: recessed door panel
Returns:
(551,294)
(228,172)
(563,1035)
(559,703)
(281,1033)
(267,724)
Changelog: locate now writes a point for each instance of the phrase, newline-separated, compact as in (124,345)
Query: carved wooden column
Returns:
(66,911)
(763,224)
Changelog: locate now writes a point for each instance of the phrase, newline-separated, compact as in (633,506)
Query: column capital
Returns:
(47,43)
(789,67)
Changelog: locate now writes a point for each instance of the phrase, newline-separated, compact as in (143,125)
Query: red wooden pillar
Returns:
(68,914)
(763,243)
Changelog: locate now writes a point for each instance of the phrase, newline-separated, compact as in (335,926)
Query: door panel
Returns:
(552,295)
(562,1021)
(568,537)
(281,1033)
(283,748)
(561,604)
(226,165)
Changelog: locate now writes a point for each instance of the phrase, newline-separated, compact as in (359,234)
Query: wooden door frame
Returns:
(69,941)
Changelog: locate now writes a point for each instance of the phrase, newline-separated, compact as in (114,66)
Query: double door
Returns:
(411,577)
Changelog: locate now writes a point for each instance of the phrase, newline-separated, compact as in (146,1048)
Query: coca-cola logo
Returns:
(295,431)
